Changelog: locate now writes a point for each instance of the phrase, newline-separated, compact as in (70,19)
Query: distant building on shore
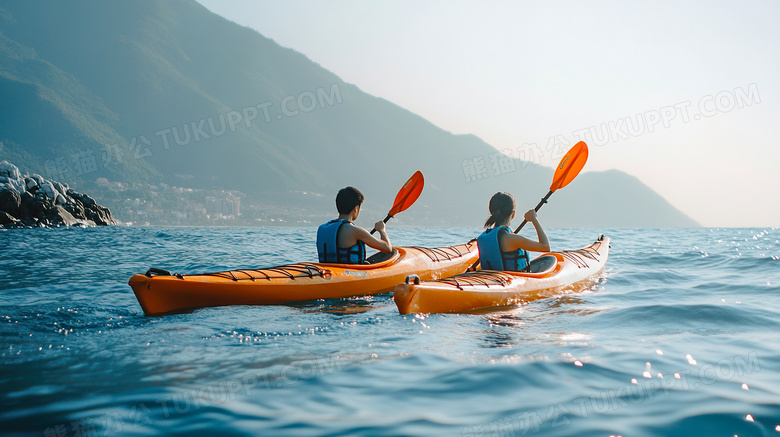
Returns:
(226,206)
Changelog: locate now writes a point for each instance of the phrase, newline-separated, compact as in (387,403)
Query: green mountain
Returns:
(167,93)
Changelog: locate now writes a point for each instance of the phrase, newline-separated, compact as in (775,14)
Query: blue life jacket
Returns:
(492,258)
(327,245)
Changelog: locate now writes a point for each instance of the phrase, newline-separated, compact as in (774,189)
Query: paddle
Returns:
(570,166)
(406,196)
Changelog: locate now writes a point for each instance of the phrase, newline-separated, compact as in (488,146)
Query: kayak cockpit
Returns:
(543,264)
(381,257)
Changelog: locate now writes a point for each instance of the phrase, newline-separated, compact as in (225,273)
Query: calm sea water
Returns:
(679,338)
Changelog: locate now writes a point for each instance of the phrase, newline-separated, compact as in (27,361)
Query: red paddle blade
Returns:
(408,193)
(570,166)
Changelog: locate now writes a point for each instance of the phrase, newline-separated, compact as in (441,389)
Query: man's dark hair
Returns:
(347,199)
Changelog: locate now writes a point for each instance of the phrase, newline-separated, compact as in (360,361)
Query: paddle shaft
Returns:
(385,220)
(538,207)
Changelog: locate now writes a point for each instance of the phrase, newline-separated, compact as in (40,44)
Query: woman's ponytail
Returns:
(493,219)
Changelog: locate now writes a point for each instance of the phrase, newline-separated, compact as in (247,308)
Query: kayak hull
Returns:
(562,273)
(161,292)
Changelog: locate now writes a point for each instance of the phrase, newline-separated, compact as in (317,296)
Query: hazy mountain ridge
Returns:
(48,115)
(130,72)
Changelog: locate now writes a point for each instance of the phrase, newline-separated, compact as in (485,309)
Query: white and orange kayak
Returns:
(552,274)
(159,291)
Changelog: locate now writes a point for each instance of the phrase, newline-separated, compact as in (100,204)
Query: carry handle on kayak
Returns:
(152,272)
(157,272)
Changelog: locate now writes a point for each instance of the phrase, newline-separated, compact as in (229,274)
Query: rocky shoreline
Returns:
(32,201)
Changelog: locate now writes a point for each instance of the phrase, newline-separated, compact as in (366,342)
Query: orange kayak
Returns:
(551,274)
(159,291)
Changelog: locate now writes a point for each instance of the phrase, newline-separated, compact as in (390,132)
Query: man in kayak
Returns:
(499,248)
(340,241)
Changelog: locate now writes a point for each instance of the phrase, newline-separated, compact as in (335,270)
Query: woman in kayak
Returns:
(499,248)
(340,241)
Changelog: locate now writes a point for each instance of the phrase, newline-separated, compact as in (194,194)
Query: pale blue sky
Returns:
(517,73)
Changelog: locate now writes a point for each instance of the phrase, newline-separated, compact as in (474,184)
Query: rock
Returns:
(10,202)
(8,221)
(10,182)
(33,201)
(62,189)
(83,198)
(100,215)
(77,209)
(30,183)
(59,216)
(33,207)
(9,170)
(49,191)
(18,185)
